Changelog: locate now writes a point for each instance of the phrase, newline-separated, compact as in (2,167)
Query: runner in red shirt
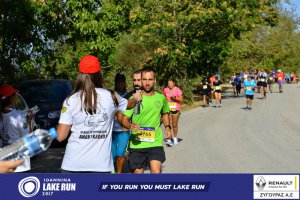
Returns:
(280,79)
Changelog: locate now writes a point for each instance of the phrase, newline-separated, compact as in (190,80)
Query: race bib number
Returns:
(262,79)
(279,78)
(146,134)
(248,88)
(172,105)
(204,86)
(218,87)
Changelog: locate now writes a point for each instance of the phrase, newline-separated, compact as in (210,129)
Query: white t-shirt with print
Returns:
(89,145)
(14,127)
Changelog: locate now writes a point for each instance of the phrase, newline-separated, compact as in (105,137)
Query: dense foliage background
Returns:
(186,39)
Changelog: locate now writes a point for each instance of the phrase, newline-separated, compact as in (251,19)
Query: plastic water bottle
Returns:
(29,145)
(137,107)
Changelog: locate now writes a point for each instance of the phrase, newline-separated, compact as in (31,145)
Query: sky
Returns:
(297,4)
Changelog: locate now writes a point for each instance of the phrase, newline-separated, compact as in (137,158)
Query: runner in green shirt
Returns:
(146,141)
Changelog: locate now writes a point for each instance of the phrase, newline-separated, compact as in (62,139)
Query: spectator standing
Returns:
(88,113)
(15,124)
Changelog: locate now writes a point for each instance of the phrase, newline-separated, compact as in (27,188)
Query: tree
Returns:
(17,35)
(266,47)
(191,38)
(77,28)
(177,37)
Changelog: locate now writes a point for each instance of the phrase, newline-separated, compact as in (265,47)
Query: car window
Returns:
(44,92)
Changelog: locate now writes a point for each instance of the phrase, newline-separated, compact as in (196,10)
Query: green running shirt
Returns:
(149,120)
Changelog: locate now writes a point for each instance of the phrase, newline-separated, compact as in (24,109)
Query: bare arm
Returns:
(63,131)
(133,101)
(178,99)
(166,122)
(126,124)
(125,121)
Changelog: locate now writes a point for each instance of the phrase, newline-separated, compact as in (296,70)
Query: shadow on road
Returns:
(48,161)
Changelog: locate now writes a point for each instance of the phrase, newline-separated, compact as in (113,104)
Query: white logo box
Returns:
(276,186)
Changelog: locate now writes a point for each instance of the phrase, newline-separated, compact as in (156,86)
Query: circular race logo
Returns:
(30,186)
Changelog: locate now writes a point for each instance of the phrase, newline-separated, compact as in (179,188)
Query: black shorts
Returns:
(249,96)
(175,112)
(258,84)
(263,84)
(206,92)
(218,91)
(140,158)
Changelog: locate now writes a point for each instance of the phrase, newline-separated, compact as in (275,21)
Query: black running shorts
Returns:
(249,96)
(263,84)
(140,158)
(206,92)
(258,83)
(175,112)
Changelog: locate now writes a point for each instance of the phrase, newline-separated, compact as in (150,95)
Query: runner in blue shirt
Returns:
(238,85)
(249,86)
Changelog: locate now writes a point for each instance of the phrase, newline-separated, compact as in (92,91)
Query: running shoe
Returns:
(169,143)
(175,141)
(249,108)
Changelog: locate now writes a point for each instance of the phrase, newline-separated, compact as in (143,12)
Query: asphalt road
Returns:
(233,140)
(228,139)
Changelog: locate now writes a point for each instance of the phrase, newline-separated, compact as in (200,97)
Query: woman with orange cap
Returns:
(88,113)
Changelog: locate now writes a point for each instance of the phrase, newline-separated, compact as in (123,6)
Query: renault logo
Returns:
(260,183)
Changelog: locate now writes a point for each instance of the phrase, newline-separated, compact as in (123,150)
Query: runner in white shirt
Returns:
(89,145)
(13,122)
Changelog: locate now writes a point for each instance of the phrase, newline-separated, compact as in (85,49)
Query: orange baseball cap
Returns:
(89,64)
(7,90)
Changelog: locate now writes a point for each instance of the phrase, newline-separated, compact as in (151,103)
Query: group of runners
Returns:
(263,81)
(212,89)
(138,133)
(104,125)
